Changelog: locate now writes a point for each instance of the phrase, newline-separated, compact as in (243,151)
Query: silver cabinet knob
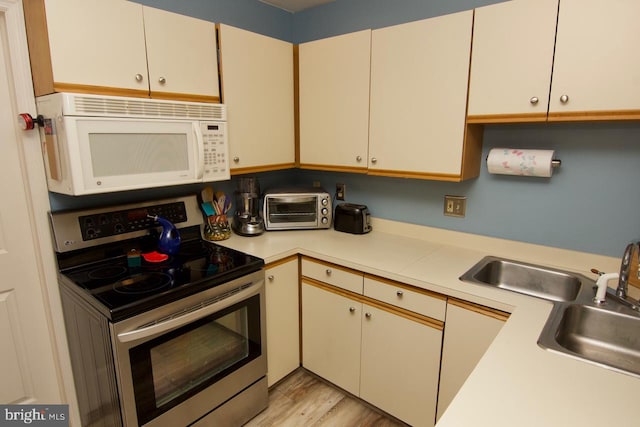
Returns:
(374,160)
(564,99)
(236,159)
(352,309)
(359,159)
(139,77)
(534,100)
(399,294)
(367,315)
(162,80)
(270,277)
(328,271)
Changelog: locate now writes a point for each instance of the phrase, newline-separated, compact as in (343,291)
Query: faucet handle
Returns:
(602,283)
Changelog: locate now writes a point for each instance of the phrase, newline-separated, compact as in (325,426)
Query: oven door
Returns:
(192,355)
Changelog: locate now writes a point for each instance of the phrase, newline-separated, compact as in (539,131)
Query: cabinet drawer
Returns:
(393,293)
(332,274)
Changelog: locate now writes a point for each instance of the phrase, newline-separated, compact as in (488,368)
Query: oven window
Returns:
(170,369)
(283,210)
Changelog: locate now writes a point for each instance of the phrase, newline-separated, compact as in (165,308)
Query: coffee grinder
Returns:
(247,219)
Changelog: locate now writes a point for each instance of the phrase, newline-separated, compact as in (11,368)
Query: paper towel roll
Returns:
(511,161)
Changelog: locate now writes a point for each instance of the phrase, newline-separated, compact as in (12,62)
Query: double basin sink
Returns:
(607,335)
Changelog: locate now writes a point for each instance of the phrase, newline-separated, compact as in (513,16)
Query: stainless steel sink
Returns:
(529,279)
(609,338)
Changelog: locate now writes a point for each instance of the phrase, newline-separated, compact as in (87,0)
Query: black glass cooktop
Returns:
(118,288)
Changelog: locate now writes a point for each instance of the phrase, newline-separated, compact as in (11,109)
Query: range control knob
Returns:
(324,220)
(325,202)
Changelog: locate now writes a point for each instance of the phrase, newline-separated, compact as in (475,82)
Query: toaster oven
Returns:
(297,209)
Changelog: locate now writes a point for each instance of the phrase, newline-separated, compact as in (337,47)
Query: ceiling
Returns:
(296,5)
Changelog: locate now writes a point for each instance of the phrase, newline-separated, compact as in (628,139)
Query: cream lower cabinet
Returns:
(373,348)
(469,331)
(257,88)
(331,325)
(400,365)
(282,305)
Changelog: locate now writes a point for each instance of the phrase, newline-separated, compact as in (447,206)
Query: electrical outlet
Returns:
(316,184)
(455,206)
(341,191)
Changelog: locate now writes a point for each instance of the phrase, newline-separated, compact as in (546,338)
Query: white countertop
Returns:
(516,383)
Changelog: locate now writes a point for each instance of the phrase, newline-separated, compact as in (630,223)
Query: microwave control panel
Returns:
(216,152)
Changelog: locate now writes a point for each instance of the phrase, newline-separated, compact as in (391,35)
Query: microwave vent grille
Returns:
(149,108)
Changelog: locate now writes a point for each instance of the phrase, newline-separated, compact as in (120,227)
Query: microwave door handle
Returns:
(199,148)
(189,317)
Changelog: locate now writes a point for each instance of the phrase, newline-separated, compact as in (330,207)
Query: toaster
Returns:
(352,218)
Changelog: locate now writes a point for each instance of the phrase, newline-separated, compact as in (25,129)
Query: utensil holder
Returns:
(217,228)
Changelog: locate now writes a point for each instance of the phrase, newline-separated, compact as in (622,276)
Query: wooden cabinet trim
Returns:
(487,311)
(410,315)
(265,168)
(415,175)
(39,51)
(405,286)
(507,118)
(103,90)
(333,168)
(281,261)
(329,264)
(586,116)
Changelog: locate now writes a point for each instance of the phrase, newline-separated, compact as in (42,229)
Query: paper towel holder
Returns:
(522,162)
(555,163)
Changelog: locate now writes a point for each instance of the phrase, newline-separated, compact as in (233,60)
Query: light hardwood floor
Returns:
(302,399)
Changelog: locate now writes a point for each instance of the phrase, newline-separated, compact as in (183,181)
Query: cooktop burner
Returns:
(92,247)
(121,290)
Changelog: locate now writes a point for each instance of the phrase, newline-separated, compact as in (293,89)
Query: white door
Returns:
(28,362)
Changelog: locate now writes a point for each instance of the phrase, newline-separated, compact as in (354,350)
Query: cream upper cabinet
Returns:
(419,79)
(258,90)
(334,102)
(182,55)
(512,60)
(597,61)
(400,365)
(283,319)
(468,332)
(117,47)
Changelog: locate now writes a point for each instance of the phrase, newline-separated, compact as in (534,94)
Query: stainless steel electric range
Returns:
(159,339)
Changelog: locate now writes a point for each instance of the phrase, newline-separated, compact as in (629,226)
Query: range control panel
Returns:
(112,223)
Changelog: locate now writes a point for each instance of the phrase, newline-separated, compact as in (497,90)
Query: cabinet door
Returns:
(283,320)
(257,88)
(400,366)
(334,102)
(512,60)
(93,44)
(469,330)
(331,336)
(419,78)
(182,56)
(597,61)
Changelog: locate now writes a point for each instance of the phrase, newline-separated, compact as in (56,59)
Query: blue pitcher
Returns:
(169,240)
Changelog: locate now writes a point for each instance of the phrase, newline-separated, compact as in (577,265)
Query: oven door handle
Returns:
(189,317)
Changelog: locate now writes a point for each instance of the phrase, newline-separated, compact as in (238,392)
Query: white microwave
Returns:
(99,144)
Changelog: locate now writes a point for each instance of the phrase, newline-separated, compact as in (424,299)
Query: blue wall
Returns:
(589,205)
